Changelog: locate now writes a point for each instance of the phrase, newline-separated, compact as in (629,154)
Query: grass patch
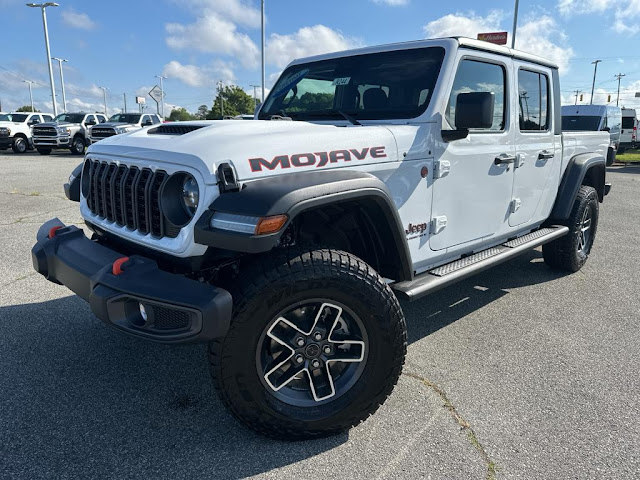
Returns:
(629,156)
(34,194)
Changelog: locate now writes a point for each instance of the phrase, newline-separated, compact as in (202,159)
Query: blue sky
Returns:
(195,43)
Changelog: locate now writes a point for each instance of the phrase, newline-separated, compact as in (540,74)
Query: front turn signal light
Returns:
(267,225)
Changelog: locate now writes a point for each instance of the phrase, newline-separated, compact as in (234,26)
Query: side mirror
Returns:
(605,129)
(473,110)
(91,122)
(146,123)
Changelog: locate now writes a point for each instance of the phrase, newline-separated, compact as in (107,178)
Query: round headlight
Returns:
(190,194)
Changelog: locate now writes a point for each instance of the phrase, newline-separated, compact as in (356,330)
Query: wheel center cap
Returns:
(312,350)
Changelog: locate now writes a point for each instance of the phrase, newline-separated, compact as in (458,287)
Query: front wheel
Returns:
(570,252)
(77,145)
(20,145)
(316,345)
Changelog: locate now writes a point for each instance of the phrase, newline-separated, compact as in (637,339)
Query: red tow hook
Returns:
(53,230)
(117,269)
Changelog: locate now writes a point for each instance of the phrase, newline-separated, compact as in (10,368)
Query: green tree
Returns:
(27,108)
(180,115)
(234,100)
(201,114)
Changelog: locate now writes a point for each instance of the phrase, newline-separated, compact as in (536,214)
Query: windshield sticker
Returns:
(341,81)
(290,82)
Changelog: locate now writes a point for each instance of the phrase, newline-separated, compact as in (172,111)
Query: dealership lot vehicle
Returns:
(595,118)
(123,123)
(15,129)
(285,245)
(629,134)
(67,130)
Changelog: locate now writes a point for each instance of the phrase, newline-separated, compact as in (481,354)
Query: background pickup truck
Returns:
(15,129)
(68,130)
(123,123)
(284,242)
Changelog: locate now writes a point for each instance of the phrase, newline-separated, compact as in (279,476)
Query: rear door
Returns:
(471,191)
(534,140)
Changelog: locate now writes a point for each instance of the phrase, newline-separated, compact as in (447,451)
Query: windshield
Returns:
(13,117)
(396,84)
(580,123)
(69,117)
(125,118)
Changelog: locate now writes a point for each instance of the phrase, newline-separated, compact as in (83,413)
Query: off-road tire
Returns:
(279,280)
(564,253)
(20,144)
(44,151)
(78,145)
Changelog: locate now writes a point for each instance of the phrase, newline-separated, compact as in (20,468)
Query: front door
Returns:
(536,157)
(472,191)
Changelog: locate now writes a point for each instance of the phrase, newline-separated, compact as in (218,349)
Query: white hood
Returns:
(260,148)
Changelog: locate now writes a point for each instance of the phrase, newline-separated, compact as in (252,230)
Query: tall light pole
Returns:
(30,82)
(64,97)
(515,24)
(220,92)
(262,50)
(43,7)
(619,76)
(255,96)
(593,85)
(104,97)
(162,77)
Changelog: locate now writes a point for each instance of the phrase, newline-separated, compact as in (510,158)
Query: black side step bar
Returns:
(445,275)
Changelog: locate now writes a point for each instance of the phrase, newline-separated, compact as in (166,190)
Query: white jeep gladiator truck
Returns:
(15,129)
(123,123)
(285,242)
(67,130)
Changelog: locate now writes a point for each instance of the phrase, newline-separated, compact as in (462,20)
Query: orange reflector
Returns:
(272,224)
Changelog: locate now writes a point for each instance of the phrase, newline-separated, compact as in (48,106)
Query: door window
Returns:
(475,76)
(533,98)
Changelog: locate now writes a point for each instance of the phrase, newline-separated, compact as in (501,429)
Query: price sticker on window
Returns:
(341,81)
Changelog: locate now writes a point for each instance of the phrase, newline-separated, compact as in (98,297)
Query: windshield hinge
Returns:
(227,178)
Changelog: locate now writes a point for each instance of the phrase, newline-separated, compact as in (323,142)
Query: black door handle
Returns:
(504,159)
(545,155)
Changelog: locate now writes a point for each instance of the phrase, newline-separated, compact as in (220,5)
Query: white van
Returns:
(594,118)
(629,133)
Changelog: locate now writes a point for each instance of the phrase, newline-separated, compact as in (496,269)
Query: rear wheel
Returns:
(570,252)
(44,151)
(20,145)
(316,345)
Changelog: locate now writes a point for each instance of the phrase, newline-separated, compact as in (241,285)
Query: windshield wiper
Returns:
(349,117)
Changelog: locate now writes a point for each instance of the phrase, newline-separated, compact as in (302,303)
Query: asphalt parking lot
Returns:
(519,373)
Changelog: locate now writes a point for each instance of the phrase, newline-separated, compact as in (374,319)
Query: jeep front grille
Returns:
(128,196)
(44,132)
(102,132)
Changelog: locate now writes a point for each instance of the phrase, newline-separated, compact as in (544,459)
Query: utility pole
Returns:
(43,7)
(515,24)
(104,96)
(262,50)
(30,93)
(64,97)
(578,92)
(220,96)
(593,85)
(125,102)
(255,96)
(162,77)
(619,76)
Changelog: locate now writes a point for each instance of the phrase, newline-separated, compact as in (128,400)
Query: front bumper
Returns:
(176,308)
(52,141)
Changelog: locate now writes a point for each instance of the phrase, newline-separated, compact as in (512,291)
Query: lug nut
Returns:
(327,349)
(315,364)
(299,359)
(300,341)
(317,336)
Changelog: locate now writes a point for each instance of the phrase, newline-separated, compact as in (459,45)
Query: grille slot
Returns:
(44,131)
(102,132)
(128,196)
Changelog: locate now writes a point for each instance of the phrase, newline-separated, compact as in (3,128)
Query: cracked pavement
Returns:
(519,372)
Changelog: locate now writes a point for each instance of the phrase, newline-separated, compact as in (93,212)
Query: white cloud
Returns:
(626,18)
(236,11)
(468,25)
(601,96)
(541,36)
(213,34)
(392,3)
(77,20)
(188,74)
(580,7)
(307,41)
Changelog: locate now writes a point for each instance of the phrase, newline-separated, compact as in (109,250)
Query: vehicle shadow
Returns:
(633,168)
(81,399)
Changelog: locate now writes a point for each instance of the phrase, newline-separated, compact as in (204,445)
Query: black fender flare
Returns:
(293,194)
(589,168)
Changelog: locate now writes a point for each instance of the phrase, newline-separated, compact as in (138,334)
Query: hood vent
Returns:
(173,129)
